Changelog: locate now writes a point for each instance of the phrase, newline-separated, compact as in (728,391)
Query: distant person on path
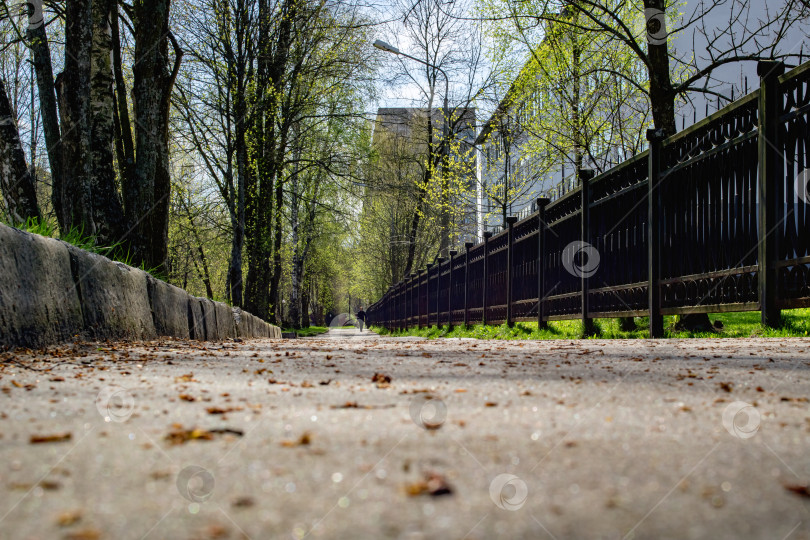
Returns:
(361,316)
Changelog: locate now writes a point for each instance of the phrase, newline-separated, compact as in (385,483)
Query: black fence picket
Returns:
(731,204)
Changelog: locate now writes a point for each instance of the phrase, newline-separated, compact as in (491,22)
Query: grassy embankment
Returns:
(796,323)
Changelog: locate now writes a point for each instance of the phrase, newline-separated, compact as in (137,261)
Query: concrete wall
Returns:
(51,292)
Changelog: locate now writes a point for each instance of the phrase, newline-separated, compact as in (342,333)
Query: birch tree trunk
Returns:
(41,58)
(16,182)
(108,215)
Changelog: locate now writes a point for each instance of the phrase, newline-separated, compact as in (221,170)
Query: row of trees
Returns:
(214,142)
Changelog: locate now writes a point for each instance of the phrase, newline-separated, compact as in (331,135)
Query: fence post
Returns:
(407,301)
(771,180)
(453,253)
(467,247)
(510,259)
(485,303)
(439,262)
(541,274)
(419,298)
(654,215)
(585,175)
(395,307)
(427,302)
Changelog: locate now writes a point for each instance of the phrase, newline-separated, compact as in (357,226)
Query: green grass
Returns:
(76,237)
(795,323)
(308,332)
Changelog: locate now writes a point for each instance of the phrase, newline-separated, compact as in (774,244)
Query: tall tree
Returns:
(147,202)
(16,182)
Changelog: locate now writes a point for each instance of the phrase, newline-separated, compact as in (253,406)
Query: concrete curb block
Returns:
(113,296)
(226,325)
(39,303)
(51,291)
(196,320)
(169,308)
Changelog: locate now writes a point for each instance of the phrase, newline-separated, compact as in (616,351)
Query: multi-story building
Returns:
(403,133)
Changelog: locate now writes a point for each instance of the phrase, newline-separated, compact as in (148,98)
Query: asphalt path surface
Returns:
(354,435)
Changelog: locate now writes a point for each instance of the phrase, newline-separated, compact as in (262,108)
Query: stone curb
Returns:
(51,292)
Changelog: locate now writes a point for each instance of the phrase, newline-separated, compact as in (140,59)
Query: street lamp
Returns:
(387,47)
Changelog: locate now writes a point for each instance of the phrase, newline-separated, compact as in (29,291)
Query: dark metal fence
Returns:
(715,218)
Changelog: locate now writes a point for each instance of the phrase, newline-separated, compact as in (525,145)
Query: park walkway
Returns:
(349,437)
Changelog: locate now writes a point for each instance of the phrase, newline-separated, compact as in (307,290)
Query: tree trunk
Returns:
(242,172)
(108,215)
(16,182)
(148,198)
(662,95)
(266,195)
(41,58)
(276,275)
(662,102)
(305,305)
(297,259)
(73,85)
(124,141)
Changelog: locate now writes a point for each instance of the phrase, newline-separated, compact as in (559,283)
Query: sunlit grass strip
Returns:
(795,323)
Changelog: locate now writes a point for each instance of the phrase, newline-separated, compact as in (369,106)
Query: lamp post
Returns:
(383,46)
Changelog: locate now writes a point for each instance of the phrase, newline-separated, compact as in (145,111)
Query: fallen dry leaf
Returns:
(85,534)
(303,440)
(188,377)
(66,519)
(382,380)
(221,410)
(243,502)
(58,437)
(802,491)
(186,397)
(180,436)
(434,484)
